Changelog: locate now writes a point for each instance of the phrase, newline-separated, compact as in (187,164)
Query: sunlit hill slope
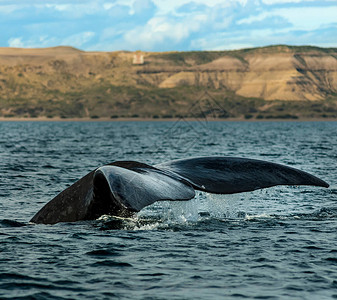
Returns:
(269,82)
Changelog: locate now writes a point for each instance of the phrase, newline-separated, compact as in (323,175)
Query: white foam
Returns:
(202,206)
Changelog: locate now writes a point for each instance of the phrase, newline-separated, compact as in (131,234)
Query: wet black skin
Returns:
(106,191)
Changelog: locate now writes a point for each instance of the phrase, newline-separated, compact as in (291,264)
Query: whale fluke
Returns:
(125,187)
(229,175)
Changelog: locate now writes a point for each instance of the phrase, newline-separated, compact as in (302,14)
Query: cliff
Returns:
(67,82)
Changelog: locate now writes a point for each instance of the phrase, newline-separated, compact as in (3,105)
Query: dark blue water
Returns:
(278,243)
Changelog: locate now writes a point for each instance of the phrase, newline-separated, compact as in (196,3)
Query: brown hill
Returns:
(64,81)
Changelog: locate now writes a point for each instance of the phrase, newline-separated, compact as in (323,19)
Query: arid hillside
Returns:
(276,81)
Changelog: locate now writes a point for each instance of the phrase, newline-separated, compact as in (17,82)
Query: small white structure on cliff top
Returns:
(138,59)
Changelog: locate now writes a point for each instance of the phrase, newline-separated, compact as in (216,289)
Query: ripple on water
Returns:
(103,253)
(274,244)
(111,263)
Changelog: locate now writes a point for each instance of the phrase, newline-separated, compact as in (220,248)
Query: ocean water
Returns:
(278,243)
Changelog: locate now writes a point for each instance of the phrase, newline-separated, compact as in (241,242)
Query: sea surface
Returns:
(277,243)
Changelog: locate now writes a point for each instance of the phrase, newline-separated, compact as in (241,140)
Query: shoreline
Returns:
(58,119)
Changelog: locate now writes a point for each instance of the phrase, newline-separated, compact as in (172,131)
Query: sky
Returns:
(167,25)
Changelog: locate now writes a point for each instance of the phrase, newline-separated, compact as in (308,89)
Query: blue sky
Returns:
(171,25)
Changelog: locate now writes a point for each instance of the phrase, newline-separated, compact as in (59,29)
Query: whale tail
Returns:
(124,187)
(229,175)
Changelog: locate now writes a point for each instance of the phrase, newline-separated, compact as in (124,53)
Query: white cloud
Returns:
(7,9)
(254,18)
(79,39)
(272,2)
(59,7)
(165,31)
(111,32)
(16,42)
(158,31)
(108,5)
(76,40)
(165,7)
(37,42)
(73,9)
(158,25)
(309,18)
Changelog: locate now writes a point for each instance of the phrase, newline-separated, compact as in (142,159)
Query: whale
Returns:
(123,188)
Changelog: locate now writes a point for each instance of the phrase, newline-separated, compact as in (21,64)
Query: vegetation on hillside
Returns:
(67,83)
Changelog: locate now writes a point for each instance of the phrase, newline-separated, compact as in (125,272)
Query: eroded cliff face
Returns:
(277,73)
(270,76)
(64,74)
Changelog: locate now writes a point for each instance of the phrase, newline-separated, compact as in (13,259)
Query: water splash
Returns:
(204,206)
